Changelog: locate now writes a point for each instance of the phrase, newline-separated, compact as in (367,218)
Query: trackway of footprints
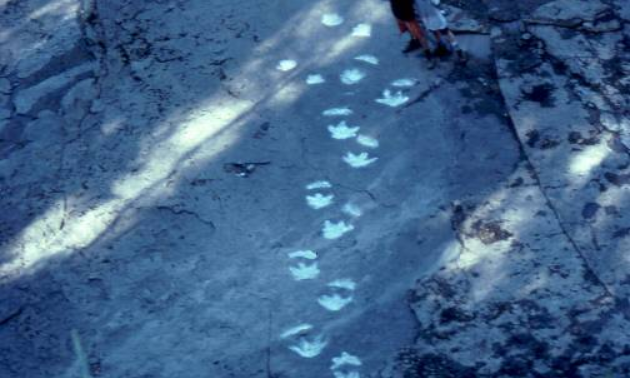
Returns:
(304,338)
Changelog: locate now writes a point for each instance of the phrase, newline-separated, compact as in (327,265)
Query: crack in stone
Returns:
(420,97)
(11,316)
(367,192)
(193,214)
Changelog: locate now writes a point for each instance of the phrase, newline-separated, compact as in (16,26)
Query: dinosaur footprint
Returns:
(319,201)
(341,364)
(304,271)
(341,296)
(352,76)
(315,79)
(367,141)
(319,185)
(370,59)
(333,231)
(342,131)
(310,348)
(336,112)
(286,65)
(297,330)
(359,161)
(332,20)
(334,302)
(392,100)
(362,30)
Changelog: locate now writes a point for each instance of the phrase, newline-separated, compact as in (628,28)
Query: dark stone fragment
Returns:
(453,314)
(616,144)
(490,233)
(577,138)
(518,182)
(606,354)
(526,62)
(547,144)
(590,210)
(587,342)
(201,182)
(243,169)
(574,137)
(541,93)
(532,138)
(617,179)
(262,130)
(621,233)
(459,216)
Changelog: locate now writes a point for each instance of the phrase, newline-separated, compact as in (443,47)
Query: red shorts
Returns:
(413,27)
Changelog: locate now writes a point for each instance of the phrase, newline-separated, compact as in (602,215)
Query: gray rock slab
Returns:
(562,135)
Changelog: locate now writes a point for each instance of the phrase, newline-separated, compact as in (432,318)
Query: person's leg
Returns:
(417,33)
(418,39)
(441,48)
(401,26)
(461,54)
(451,39)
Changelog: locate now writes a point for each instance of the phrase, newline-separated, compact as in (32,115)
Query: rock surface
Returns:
(184,196)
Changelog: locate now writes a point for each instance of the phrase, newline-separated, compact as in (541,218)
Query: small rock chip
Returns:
(590,210)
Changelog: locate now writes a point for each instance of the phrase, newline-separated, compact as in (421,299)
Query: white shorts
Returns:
(430,16)
(436,22)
